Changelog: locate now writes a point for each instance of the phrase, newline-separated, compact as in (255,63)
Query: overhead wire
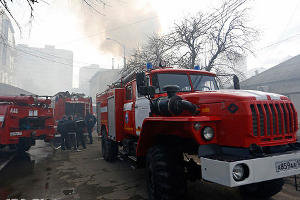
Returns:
(290,19)
(108,30)
(45,53)
(45,58)
(97,11)
(93,35)
(281,41)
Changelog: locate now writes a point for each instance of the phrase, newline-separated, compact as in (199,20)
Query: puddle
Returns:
(21,166)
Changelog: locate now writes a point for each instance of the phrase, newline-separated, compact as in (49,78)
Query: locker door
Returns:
(111,117)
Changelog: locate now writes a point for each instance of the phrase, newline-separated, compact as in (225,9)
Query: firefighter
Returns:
(79,127)
(90,121)
(70,127)
(61,129)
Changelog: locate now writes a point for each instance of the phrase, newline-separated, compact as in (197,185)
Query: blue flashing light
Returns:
(149,66)
(197,67)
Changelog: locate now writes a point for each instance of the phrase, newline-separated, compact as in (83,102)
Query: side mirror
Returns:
(147,90)
(236,82)
(141,85)
(140,79)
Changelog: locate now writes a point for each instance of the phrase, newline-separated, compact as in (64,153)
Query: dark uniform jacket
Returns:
(90,120)
(69,126)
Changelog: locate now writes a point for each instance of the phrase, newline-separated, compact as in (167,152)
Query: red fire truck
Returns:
(162,118)
(68,104)
(23,119)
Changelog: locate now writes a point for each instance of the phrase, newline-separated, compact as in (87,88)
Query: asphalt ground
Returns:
(67,175)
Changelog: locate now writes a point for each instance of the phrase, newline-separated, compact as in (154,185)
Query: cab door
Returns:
(142,110)
(128,109)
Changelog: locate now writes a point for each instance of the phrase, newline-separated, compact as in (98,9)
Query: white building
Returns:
(44,71)
(7,50)
(85,74)
(100,81)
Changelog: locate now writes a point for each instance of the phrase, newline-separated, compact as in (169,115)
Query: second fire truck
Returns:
(24,119)
(162,117)
(66,104)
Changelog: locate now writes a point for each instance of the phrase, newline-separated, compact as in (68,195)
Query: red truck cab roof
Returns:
(187,71)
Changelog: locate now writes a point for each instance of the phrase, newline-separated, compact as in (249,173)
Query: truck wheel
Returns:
(103,138)
(165,174)
(109,148)
(264,189)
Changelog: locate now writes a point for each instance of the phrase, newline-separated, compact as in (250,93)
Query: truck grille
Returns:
(273,119)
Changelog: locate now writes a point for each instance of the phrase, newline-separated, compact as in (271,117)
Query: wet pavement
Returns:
(64,175)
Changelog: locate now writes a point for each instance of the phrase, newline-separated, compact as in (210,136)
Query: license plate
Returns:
(15,133)
(287,165)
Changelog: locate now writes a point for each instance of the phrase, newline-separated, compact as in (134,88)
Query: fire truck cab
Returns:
(162,117)
(66,104)
(24,119)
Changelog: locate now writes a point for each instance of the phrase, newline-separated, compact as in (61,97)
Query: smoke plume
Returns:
(129,22)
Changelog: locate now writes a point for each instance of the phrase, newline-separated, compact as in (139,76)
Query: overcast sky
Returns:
(70,26)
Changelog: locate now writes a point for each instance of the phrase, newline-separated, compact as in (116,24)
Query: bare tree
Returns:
(156,50)
(229,36)
(8,10)
(159,48)
(189,37)
(214,39)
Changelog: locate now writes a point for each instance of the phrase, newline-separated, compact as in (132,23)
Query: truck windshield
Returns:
(200,82)
(159,81)
(75,108)
(203,83)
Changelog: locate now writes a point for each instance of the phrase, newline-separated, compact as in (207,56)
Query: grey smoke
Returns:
(125,21)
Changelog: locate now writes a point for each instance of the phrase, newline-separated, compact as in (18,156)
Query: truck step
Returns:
(132,158)
(124,155)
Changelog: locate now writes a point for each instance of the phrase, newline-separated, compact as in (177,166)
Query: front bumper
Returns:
(260,169)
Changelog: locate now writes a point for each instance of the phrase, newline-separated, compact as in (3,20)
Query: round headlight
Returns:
(240,172)
(208,133)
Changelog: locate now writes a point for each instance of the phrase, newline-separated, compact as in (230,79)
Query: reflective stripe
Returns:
(259,95)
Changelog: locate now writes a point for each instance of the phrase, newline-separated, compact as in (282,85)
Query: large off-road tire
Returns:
(264,189)
(165,174)
(109,148)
